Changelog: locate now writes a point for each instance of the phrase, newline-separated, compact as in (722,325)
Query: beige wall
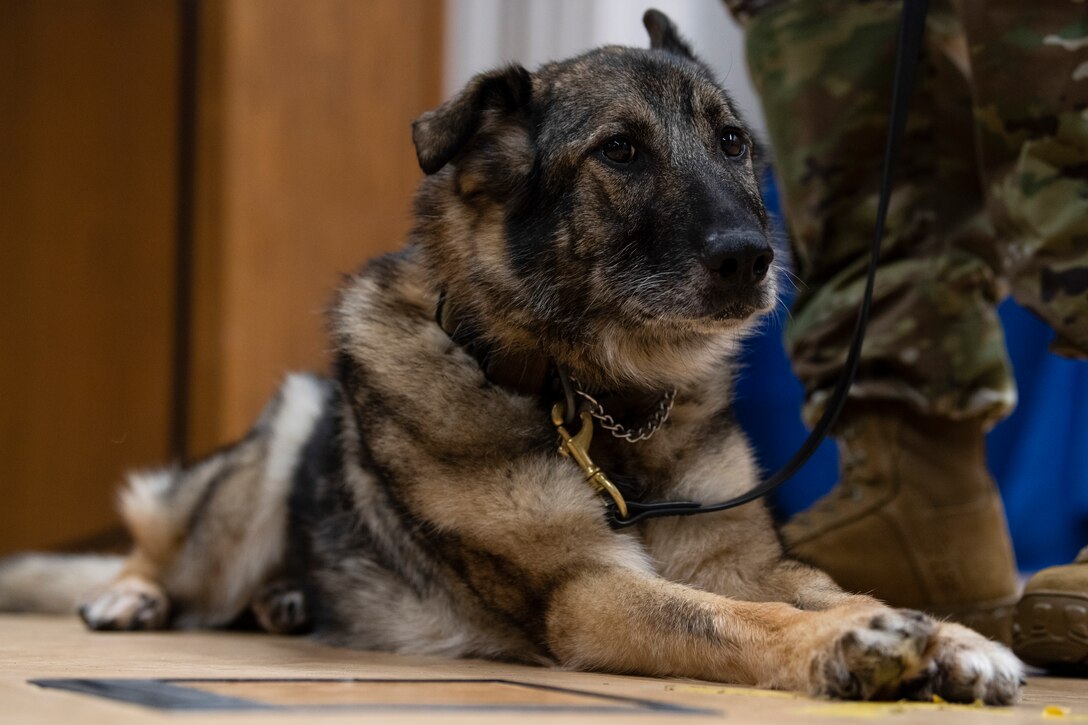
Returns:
(484,33)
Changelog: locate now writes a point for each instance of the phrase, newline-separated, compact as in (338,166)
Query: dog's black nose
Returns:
(738,257)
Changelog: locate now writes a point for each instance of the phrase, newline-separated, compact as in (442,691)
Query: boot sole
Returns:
(1050,630)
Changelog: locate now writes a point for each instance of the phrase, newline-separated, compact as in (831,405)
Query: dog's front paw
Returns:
(876,655)
(128,604)
(971,667)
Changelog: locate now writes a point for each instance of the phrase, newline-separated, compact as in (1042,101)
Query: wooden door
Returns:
(116,223)
(87,188)
(306,169)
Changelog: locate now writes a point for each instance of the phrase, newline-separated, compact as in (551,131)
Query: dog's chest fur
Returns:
(424,443)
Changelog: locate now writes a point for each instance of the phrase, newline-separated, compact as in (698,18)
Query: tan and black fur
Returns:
(414,503)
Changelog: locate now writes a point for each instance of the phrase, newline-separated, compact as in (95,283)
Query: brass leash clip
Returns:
(577,447)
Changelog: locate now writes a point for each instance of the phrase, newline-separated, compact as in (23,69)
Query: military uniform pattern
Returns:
(990,192)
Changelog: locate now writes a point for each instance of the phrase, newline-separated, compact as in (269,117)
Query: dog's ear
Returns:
(440,134)
(664,35)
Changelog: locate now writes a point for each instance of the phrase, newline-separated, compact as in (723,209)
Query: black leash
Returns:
(911,29)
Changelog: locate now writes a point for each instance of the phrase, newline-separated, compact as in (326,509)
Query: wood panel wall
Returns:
(303,169)
(87,186)
(306,169)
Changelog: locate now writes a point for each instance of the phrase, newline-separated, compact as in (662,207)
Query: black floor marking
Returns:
(158,694)
(172,694)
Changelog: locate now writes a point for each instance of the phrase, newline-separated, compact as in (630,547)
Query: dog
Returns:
(590,249)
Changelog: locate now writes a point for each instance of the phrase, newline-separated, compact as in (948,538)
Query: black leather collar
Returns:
(527,373)
(532,373)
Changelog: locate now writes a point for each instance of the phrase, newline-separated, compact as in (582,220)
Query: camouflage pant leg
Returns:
(1029,68)
(824,71)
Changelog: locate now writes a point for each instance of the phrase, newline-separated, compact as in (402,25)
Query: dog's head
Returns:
(605,209)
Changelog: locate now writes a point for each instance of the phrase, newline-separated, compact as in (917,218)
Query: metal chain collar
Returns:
(619,430)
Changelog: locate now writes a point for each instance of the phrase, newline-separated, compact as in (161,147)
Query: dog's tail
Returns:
(53,583)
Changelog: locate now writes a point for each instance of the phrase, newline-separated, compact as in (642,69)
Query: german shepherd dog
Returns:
(598,221)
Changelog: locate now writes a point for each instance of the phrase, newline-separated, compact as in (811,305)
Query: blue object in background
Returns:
(1039,455)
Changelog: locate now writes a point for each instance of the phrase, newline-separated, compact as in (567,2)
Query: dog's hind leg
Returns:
(209,537)
(281,607)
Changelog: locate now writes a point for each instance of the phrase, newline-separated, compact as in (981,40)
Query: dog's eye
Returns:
(619,150)
(733,143)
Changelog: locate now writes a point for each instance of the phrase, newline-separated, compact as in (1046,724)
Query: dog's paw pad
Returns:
(281,609)
(881,657)
(971,667)
(129,604)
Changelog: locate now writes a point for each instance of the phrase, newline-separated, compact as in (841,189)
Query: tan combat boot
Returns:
(916,519)
(1050,628)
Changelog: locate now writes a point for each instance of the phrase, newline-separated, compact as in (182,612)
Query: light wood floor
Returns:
(314,683)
